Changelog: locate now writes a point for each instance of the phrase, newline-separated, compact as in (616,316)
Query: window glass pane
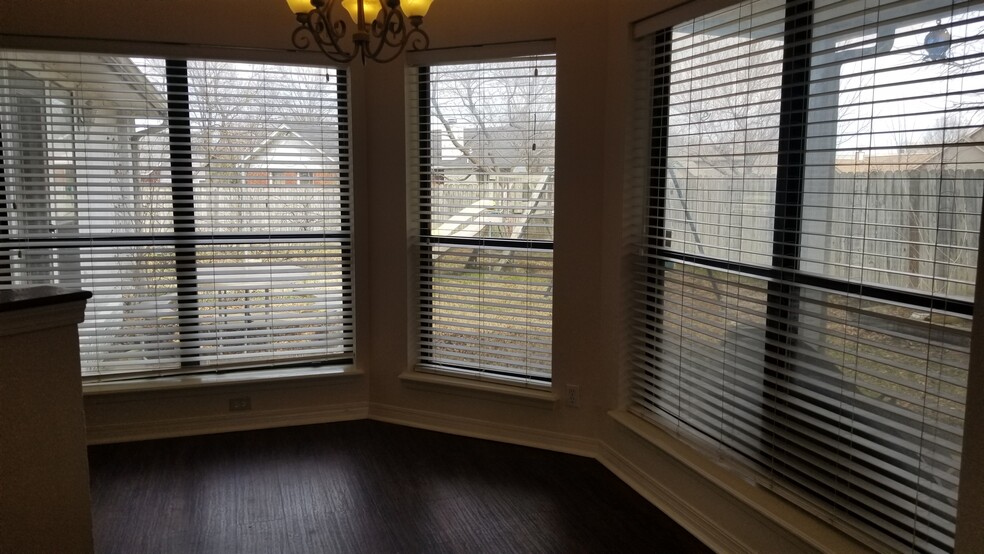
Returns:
(706,368)
(892,195)
(486,146)
(270,300)
(131,322)
(223,244)
(723,132)
(507,329)
(260,127)
(891,380)
(492,150)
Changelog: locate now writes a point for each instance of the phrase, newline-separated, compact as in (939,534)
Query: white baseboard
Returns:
(677,508)
(524,436)
(223,423)
(716,503)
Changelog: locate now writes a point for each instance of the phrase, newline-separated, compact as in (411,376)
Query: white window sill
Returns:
(719,475)
(346,371)
(476,388)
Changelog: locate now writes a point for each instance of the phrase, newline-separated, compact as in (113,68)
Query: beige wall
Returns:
(591,260)
(581,357)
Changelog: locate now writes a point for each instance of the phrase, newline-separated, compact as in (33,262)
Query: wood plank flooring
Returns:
(364,486)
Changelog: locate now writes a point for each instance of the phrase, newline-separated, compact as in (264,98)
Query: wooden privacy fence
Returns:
(912,229)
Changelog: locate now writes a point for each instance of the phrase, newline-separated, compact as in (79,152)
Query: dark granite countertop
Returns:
(33,297)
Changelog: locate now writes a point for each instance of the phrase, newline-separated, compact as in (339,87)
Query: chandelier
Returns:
(382,28)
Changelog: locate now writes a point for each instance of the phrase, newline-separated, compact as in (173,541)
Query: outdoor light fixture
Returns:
(382,30)
(937,43)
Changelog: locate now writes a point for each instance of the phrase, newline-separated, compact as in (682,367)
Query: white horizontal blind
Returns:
(205,205)
(805,304)
(485,159)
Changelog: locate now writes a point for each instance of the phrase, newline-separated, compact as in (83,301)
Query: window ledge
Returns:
(480,389)
(824,534)
(347,371)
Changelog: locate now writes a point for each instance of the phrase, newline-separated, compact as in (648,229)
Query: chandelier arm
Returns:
(333,31)
(382,40)
(335,55)
(390,23)
(393,30)
(418,39)
(316,27)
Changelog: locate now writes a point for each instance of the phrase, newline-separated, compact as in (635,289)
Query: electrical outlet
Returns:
(573,396)
(239,404)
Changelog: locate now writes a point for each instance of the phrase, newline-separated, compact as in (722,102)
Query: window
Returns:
(806,294)
(151,183)
(485,157)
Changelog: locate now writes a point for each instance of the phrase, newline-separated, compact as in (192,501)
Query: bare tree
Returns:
(493,128)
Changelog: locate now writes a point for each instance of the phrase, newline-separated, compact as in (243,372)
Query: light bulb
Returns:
(415,8)
(300,6)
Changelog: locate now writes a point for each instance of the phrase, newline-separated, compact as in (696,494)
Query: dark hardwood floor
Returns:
(364,486)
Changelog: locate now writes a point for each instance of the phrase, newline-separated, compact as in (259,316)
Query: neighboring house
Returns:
(290,156)
(42,142)
(968,151)
(278,174)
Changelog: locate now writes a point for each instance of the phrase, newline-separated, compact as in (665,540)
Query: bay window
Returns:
(811,239)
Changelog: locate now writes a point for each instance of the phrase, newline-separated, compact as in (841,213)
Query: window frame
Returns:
(184,238)
(421,176)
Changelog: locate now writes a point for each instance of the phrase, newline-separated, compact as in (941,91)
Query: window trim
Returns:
(419,64)
(184,237)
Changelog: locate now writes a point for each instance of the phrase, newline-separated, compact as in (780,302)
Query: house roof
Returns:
(289,145)
(102,78)
(918,157)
